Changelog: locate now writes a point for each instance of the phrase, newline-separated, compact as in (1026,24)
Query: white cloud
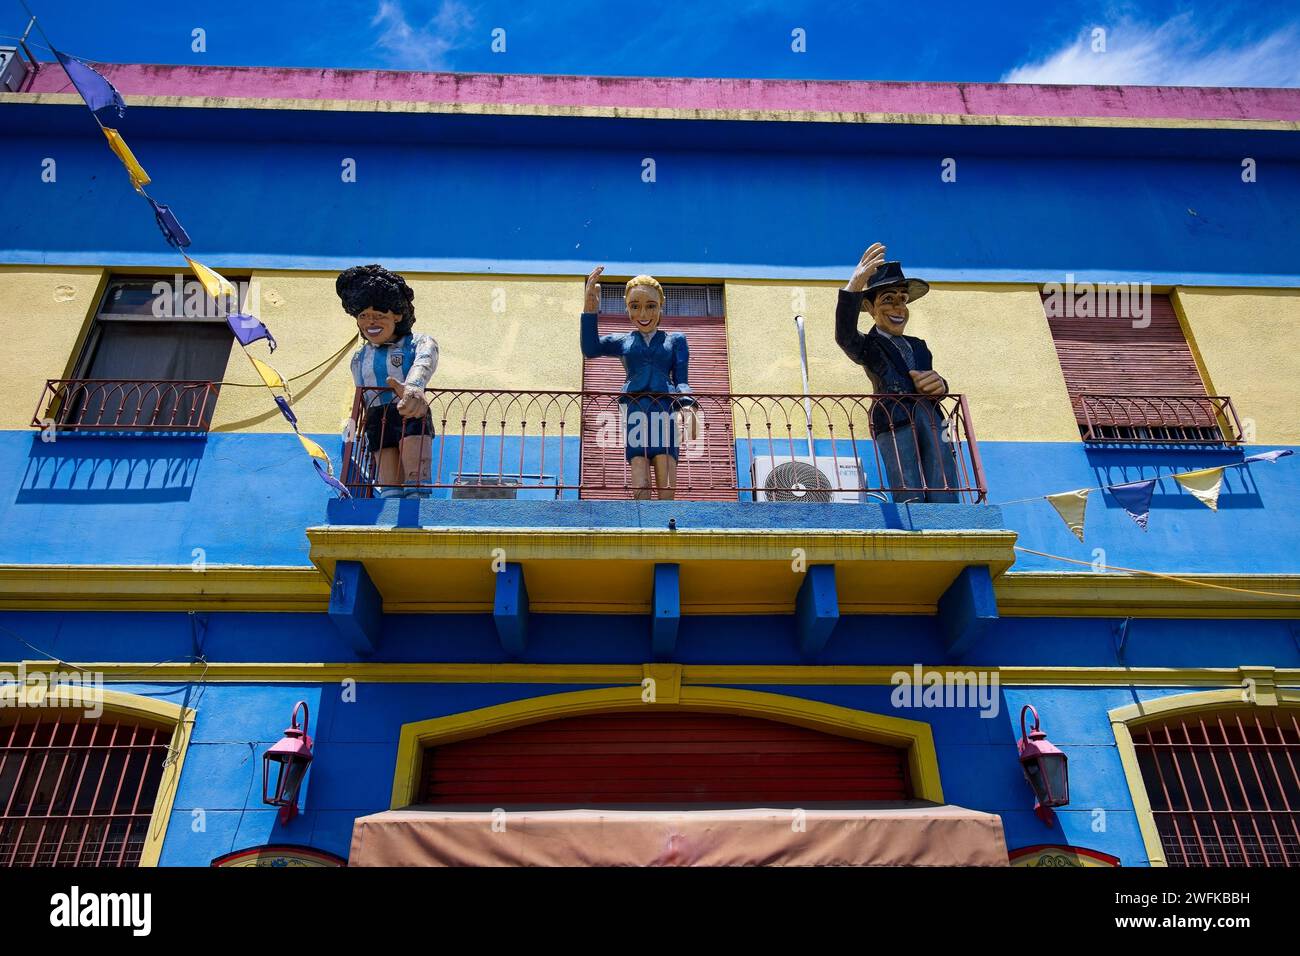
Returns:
(1175,53)
(426,47)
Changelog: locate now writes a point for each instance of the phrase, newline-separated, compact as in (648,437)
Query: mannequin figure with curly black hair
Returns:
(397,423)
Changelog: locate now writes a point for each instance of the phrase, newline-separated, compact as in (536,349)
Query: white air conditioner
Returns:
(812,479)
(13,70)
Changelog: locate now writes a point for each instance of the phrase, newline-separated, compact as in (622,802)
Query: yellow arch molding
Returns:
(132,707)
(915,736)
(1261,693)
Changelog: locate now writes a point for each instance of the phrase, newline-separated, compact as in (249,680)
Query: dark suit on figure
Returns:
(908,430)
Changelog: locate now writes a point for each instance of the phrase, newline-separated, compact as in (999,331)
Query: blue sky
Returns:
(1052,41)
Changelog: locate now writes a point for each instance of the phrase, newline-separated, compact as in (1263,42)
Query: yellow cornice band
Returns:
(368,672)
(306,589)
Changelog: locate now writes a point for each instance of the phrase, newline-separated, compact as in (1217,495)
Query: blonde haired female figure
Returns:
(656,365)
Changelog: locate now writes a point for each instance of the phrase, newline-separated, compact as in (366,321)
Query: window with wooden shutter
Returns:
(1134,379)
(706,469)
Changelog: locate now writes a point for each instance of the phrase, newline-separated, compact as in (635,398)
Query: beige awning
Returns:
(901,834)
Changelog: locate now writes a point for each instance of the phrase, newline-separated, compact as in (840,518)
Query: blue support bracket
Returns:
(967,609)
(666,610)
(816,609)
(356,606)
(510,611)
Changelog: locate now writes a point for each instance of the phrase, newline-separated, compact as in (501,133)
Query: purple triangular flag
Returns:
(1136,499)
(171,227)
(330,480)
(286,410)
(1270,455)
(249,329)
(100,95)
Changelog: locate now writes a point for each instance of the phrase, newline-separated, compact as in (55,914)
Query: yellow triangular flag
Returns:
(1204,485)
(313,449)
(214,284)
(1071,505)
(270,376)
(139,178)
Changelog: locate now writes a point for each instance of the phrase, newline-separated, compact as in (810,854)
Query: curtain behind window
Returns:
(139,362)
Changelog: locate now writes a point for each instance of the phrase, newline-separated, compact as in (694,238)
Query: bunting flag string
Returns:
(1071,506)
(139,178)
(1136,499)
(1204,484)
(108,109)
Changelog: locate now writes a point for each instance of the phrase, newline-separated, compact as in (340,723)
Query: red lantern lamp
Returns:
(1045,768)
(290,756)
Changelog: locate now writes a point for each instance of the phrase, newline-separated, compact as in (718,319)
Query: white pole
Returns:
(803,367)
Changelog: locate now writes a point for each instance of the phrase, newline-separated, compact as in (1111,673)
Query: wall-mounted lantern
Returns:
(290,756)
(1045,768)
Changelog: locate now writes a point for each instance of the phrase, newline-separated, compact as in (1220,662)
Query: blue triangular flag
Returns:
(287,411)
(1270,455)
(330,480)
(1136,499)
(248,329)
(171,227)
(100,95)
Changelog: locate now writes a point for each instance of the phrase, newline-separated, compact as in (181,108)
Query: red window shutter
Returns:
(706,470)
(666,757)
(1105,354)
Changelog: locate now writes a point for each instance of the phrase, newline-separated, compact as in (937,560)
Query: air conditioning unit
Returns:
(484,486)
(13,70)
(807,479)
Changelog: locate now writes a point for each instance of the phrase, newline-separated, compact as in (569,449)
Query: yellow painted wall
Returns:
(991,342)
(44,313)
(1247,342)
(493,332)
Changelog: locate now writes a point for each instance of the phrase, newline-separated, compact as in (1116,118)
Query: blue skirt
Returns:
(650,426)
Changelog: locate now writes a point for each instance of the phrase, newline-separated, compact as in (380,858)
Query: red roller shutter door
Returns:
(706,470)
(666,757)
(1106,355)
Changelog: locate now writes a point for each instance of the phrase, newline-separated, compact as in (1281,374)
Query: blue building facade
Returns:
(198,585)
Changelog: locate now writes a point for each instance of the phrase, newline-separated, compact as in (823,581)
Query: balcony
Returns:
(1158,419)
(98,405)
(783,505)
(557,445)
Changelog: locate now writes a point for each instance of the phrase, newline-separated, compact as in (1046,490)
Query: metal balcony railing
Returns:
(125,405)
(731,447)
(1159,419)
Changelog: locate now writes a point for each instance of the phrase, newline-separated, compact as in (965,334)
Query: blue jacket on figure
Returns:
(658,366)
(655,367)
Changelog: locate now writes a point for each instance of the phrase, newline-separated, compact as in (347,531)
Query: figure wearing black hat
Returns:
(909,431)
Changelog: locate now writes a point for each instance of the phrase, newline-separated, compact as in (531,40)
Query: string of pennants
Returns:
(108,108)
(1204,484)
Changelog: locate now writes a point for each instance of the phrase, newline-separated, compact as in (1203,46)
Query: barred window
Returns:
(1223,786)
(76,791)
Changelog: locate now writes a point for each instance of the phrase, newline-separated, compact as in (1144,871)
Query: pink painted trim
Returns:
(973,99)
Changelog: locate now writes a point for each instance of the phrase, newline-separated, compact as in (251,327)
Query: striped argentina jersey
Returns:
(411,360)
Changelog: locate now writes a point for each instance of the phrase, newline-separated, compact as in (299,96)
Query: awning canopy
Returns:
(894,834)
